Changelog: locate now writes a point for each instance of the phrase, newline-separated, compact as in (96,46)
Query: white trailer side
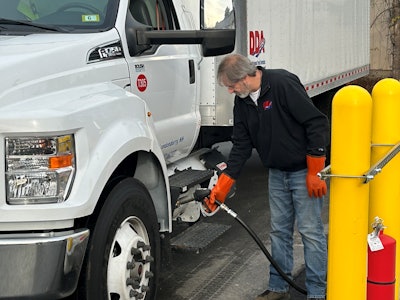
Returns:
(325,43)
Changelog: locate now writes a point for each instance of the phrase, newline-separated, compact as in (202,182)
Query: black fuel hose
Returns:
(200,194)
(262,247)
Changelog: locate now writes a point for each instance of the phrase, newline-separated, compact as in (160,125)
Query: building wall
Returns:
(381,46)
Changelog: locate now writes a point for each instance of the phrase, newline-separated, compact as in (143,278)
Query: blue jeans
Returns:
(289,200)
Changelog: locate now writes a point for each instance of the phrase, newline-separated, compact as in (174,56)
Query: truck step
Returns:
(183,180)
(198,236)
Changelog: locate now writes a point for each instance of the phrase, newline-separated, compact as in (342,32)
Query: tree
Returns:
(395,37)
(388,17)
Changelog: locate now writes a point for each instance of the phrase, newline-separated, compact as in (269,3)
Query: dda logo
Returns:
(256,43)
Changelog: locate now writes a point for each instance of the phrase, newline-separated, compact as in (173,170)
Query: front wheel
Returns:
(122,260)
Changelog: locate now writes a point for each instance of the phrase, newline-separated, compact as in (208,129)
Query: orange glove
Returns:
(316,186)
(219,191)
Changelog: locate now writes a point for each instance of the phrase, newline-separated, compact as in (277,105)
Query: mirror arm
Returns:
(145,37)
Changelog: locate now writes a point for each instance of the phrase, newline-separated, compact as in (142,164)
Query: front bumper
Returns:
(41,266)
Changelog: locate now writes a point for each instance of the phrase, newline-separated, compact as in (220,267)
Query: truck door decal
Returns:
(139,68)
(141,83)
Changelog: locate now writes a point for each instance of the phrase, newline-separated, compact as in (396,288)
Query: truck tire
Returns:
(123,255)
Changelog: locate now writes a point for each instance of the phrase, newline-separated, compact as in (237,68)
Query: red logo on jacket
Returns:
(267,104)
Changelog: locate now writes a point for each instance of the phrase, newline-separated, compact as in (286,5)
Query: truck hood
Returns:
(37,64)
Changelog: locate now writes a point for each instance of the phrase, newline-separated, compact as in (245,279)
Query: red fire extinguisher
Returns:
(381,264)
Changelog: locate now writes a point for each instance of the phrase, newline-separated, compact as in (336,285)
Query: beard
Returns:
(245,93)
(242,94)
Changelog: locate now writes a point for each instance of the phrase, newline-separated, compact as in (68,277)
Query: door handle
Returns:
(192,76)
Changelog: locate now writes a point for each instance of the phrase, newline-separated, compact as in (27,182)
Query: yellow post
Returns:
(348,208)
(385,187)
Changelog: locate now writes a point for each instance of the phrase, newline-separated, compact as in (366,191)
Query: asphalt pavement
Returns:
(227,264)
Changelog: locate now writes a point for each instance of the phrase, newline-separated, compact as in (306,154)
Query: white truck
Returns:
(108,113)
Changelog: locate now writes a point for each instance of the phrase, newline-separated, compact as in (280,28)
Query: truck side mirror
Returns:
(131,27)
(216,14)
(216,36)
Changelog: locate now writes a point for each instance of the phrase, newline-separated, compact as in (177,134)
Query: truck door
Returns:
(165,77)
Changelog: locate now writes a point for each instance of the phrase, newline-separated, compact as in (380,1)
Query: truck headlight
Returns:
(39,169)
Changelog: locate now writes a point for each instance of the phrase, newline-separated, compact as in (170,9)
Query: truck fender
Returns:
(149,167)
(127,137)
(109,125)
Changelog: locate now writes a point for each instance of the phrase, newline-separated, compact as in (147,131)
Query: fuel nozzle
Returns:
(200,194)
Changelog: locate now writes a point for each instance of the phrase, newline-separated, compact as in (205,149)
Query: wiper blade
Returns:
(31,24)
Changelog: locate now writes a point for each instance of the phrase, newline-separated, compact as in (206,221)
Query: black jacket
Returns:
(284,127)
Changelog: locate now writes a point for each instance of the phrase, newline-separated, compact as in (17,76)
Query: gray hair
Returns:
(234,67)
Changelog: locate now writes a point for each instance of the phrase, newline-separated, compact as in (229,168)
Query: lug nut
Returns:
(133,293)
(145,288)
(149,274)
(140,296)
(142,245)
(135,251)
(135,284)
(130,265)
(149,259)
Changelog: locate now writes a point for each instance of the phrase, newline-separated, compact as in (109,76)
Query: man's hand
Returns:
(209,207)
(316,186)
(219,191)
(222,188)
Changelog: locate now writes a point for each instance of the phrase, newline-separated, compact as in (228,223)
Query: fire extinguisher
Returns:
(381,264)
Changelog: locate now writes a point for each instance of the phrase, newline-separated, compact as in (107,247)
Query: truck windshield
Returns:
(57,15)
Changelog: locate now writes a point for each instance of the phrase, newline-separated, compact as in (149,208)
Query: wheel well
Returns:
(145,167)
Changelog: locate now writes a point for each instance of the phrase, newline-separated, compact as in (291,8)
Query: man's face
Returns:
(240,88)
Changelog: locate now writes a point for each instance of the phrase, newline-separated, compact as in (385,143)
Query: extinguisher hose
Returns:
(262,247)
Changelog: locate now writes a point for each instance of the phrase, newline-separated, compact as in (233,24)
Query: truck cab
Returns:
(100,121)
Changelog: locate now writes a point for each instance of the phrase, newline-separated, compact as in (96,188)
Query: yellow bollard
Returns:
(348,208)
(385,187)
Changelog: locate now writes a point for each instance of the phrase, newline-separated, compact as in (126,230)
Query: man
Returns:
(274,115)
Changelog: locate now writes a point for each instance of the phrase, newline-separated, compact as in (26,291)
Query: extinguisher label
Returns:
(374,242)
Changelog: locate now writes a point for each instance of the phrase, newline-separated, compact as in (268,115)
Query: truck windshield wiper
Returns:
(31,24)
